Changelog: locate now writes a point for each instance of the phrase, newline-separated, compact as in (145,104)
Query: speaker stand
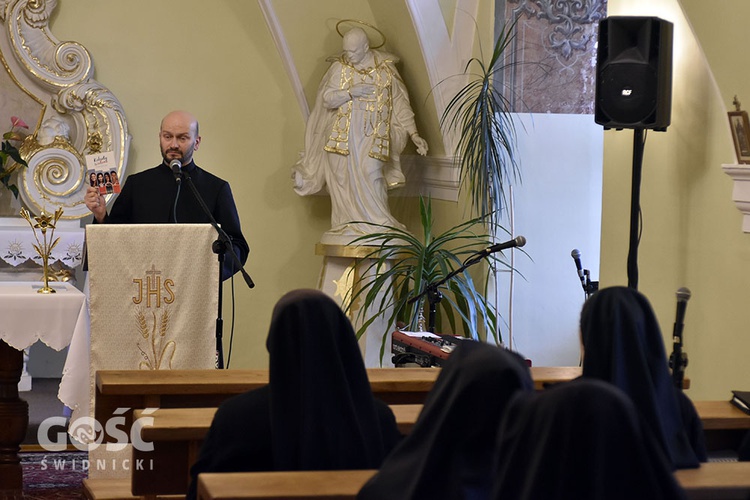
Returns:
(635,207)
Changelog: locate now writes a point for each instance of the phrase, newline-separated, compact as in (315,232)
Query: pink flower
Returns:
(17,122)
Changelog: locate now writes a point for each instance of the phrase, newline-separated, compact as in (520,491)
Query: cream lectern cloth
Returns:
(154,302)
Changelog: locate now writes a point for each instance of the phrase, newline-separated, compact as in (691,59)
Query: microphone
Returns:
(683,295)
(518,241)
(576,254)
(176,167)
(678,360)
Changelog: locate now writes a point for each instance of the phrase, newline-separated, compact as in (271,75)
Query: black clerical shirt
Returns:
(148,198)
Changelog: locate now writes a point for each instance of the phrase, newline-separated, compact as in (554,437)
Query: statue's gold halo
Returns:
(362,24)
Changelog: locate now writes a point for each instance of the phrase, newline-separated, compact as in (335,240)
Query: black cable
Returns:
(231,328)
(174,207)
(635,208)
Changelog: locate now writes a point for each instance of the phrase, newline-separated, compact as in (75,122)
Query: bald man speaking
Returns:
(149,197)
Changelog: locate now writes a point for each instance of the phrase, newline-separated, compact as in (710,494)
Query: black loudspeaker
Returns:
(634,73)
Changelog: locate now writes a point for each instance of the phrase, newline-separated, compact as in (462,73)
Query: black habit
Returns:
(448,453)
(623,345)
(317,412)
(580,440)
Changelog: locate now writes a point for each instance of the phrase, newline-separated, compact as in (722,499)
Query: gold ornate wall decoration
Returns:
(51,83)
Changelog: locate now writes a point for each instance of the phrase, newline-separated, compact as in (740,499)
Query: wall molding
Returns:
(740,174)
(433,176)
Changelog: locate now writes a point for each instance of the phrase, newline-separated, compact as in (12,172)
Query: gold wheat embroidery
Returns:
(158,348)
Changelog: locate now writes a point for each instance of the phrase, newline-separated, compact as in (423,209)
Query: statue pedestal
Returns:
(343,265)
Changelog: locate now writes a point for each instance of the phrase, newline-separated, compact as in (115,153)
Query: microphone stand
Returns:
(678,360)
(589,287)
(219,247)
(635,208)
(434,295)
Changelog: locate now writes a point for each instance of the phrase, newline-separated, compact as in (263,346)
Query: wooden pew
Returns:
(177,434)
(712,481)
(184,424)
(724,425)
(116,489)
(715,481)
(139,389)
(339,485)
(203,388)
(719,415)
(194,388)
(208,388)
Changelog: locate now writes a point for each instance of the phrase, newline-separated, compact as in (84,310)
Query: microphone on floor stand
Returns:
(589,287)
(434,296)
(678,360)
(576,254)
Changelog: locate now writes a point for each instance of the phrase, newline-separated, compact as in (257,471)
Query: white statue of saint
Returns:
(356,132)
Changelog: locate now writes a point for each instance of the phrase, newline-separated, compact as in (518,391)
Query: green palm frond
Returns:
(486,151)
(400,266)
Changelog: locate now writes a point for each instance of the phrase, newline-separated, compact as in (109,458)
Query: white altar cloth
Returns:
(29,316)
(17,240)
(57,319)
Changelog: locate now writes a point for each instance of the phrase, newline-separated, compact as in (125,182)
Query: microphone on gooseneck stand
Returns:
(176,166)
(678,360)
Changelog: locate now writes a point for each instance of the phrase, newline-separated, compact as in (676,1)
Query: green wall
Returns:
(691,229)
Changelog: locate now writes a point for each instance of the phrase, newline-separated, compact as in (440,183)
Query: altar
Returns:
(28,317)
(20,262)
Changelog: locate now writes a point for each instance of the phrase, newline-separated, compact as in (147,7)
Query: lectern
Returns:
(153,302)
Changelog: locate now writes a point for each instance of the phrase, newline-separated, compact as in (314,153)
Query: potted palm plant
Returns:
(401,266)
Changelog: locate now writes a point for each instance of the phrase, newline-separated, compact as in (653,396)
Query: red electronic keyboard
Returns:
(425,349)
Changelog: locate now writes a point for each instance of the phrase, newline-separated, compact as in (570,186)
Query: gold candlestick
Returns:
(44,246)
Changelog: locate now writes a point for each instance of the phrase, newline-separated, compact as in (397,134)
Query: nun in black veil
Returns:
(317,412)
(581,440)
(448,453)
(623,345)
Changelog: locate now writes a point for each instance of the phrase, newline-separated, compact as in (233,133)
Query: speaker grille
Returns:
(628,93)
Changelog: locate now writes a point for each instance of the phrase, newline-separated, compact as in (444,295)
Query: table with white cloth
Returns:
(19,261)
(29,316)
(18,257)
